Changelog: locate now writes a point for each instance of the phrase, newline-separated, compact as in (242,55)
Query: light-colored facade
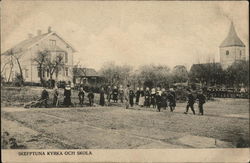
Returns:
(231,49)
(27,50)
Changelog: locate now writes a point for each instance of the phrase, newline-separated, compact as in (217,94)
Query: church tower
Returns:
(231,49)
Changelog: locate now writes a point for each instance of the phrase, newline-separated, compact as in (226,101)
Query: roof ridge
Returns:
(232,38)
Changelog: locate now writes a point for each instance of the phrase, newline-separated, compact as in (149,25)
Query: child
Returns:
(91,98)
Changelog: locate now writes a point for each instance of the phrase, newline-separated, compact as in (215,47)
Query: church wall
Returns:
(228,55)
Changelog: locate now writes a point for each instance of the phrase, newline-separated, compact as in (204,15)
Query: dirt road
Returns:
(226,121)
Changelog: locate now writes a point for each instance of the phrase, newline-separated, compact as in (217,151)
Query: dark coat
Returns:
(164,100)
(115,94)
(102,99)
(201,98)
(81,94)
(131,97)
(67,98)
(191,99)
(137,94)
(172,99)
(45,95)
(158,99)
(153,99)
(91,95)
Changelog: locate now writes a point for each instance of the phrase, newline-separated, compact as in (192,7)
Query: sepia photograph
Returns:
(116,75)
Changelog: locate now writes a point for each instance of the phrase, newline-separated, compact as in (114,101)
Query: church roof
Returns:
(232,38)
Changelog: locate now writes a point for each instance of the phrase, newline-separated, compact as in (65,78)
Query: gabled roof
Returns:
(85,72)
(232,38)
(28,43)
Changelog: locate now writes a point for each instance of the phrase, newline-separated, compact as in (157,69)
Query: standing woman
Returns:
(67,96)
(164,99)
(115,94)
(131,97)
(141,97)
(109,92)
(55,99)
(147,97)
(173,102)
(137,95)
(126,96)
(121,93)
(152,96)
(102,99)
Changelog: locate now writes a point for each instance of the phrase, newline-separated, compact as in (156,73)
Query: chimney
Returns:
(49,29)
(39,32)
(30,35)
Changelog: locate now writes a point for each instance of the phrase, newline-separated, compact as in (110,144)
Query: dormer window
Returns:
(227,52)
(53,42)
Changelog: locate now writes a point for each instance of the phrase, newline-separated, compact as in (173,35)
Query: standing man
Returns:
(55,99)
(173,100)
(126,97)
(81,96)
(44,98)
(137,95)
(91,97)
(109,92)
(121,93)
(158,100)
(131,97)
(190,102)
(201,100)
(147,97)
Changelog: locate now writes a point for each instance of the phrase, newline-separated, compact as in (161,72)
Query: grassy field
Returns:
(18,96)
(225,124)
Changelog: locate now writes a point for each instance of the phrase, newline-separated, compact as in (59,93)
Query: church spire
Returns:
(232,38)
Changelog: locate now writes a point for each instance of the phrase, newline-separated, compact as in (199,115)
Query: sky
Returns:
(129,32)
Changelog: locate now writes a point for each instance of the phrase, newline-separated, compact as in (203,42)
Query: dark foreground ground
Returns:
(224,125)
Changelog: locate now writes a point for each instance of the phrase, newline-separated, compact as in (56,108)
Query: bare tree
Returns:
(11,67)
(54,65)
(16,57)
(41,59)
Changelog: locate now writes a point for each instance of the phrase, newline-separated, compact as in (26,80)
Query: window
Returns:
(66,71)
(227,52)
(47,72)
(53,42)
(26,73)
(43,73)
(38,72)
(66,57)
(240,53)
(56,73)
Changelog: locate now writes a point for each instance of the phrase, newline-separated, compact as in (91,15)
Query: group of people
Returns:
(67,97)
(158,98)
(155,97)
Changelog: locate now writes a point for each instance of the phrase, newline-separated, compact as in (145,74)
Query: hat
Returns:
(67,87)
